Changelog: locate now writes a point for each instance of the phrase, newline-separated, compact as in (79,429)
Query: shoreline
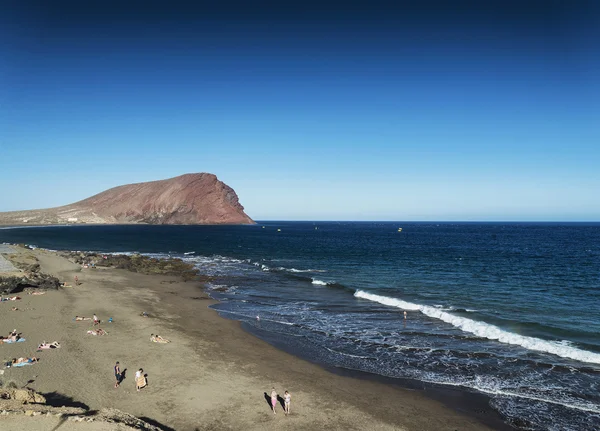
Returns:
(212,364)
(471,403)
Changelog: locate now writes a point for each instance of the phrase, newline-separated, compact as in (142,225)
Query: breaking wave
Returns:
(485,330)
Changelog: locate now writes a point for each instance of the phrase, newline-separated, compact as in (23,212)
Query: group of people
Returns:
(95,319)
(158,339)
(140,377)
(286,401)
(13,337)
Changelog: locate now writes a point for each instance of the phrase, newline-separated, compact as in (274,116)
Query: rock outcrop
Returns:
(187,199)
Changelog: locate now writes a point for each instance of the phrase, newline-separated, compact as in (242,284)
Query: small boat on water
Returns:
(399,229)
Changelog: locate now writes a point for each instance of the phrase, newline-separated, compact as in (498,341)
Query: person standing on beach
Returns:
(96,320)
(117,375)
(76,281)
(287,398)
(273,399)
(138,375)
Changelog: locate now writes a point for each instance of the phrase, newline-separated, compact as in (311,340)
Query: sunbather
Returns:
(97,332)
(53,345)
(13,336)
(158,339)
(80,318)
(37,293)
(31,360)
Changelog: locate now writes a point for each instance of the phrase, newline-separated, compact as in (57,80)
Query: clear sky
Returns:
(457,110)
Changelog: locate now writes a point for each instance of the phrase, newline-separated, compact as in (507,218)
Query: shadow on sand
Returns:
(279,399)
(157,424)
(55,399)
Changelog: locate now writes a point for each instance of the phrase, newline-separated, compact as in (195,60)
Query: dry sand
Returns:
(212,376)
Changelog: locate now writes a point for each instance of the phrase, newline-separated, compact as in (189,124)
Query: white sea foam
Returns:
(281,268)
(496,390)
(485,330)
(319,282)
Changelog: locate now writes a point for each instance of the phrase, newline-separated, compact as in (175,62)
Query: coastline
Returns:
(214,373)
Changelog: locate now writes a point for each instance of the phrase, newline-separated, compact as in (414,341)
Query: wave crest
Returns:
(486,330)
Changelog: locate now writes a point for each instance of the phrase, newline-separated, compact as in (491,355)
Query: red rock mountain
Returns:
(187,199)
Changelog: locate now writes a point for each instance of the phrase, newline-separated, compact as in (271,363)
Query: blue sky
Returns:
(309,111)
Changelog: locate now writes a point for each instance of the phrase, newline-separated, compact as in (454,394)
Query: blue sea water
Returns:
(507,309)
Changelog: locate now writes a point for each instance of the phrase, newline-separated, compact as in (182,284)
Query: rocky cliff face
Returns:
(187,199)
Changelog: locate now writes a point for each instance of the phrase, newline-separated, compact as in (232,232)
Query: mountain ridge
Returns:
(196,198)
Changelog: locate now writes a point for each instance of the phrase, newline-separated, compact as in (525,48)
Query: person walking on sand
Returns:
(117,374)
(273,399)
(76,281)
(287,398)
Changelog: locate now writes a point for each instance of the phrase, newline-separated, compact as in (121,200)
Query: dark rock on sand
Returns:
(136,263)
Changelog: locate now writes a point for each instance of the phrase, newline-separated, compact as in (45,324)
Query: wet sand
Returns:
(213,374)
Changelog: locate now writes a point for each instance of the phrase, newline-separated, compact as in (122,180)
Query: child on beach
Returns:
(287,398)
(273,399)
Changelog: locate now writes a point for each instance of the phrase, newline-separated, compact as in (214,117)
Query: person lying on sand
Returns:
(144,314)
(13,336)
(16,361)
(11,298)
(14,309)
(80,318)
(97,332)
(53,345)
(158,339)
(37,293)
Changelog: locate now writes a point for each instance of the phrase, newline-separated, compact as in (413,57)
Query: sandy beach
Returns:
(212,376)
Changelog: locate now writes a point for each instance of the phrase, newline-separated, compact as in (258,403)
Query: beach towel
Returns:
(22,364)
(141,382)
(9,341)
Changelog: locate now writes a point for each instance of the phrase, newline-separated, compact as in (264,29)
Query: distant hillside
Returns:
(188,199)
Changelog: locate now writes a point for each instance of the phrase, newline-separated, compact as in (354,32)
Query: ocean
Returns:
(511,310)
